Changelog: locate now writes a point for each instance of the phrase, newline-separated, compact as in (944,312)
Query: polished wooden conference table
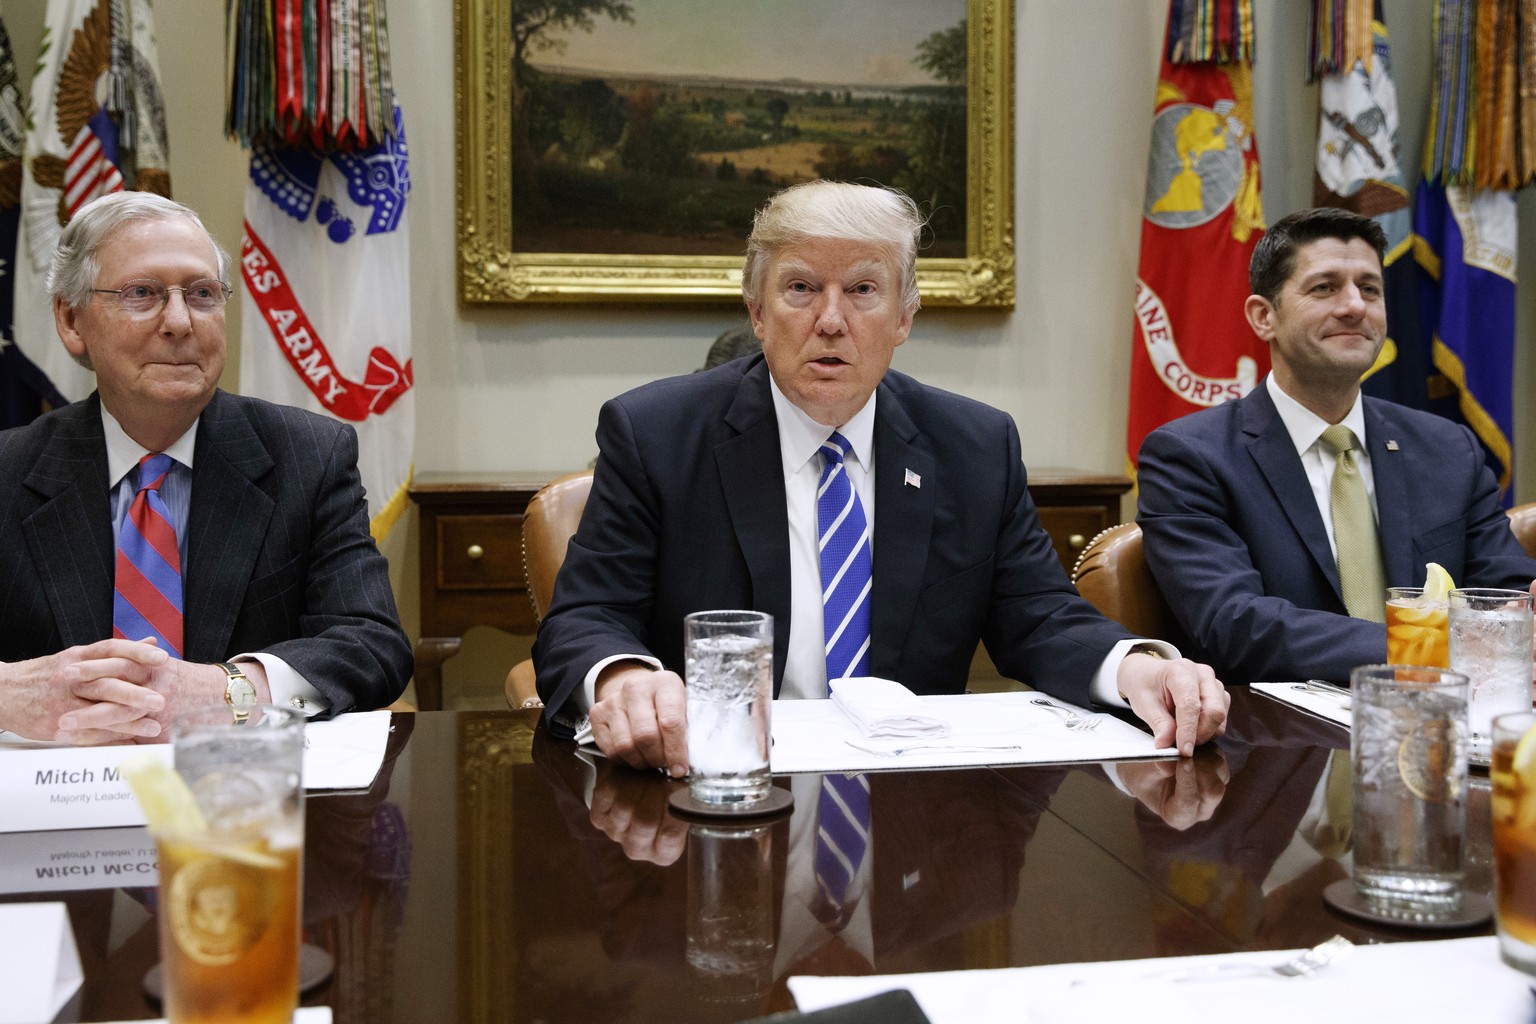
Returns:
(491,875)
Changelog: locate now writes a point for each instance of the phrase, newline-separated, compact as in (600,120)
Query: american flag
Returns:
(92,167)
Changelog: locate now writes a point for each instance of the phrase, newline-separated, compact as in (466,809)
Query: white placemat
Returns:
(1401,982)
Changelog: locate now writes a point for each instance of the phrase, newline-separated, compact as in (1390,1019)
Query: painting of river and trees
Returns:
(658,126)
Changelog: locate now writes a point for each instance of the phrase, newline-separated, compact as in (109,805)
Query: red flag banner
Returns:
(1191,345)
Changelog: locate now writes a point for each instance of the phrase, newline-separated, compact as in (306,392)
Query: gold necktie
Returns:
(1361,576)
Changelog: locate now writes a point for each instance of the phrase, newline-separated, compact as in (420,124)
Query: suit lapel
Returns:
(228,525)
(69,536)
(1272,450)
(1393,508)
(903,528)
(754,497)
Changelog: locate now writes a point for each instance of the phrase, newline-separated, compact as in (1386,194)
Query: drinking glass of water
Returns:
(1491,646)
(729,676)
(1408,747)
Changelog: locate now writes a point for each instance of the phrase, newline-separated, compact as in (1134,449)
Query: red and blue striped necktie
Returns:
(146,598)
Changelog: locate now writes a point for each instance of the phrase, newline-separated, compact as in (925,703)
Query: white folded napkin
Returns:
(884,708)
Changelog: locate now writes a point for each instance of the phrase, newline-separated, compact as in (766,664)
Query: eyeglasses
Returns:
(143,298)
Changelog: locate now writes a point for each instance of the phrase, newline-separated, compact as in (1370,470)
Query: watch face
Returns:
(241,693)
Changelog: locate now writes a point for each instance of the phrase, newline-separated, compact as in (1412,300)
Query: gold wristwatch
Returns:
(239,694)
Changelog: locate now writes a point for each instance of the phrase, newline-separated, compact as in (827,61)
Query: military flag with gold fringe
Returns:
(1191,345)
(1464,217)
(97,125)
(325,258)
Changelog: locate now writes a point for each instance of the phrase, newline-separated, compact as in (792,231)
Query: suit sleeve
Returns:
(350,645)
(1039,630)
(606,588)
(1203,568)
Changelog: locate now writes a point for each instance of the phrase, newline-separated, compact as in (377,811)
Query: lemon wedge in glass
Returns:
(1437,582)
(169,807)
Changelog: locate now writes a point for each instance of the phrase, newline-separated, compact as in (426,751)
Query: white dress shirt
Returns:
(1318,459)
(123,455)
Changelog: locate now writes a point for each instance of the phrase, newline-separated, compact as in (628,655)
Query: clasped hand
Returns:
(111,691)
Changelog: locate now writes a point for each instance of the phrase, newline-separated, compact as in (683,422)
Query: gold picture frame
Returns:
(490,271)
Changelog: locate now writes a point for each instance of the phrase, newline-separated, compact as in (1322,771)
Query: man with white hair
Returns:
(706,496)
(168,545)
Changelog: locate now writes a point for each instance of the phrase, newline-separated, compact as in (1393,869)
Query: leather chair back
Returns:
(1522,520)
(548,525)
(1112,574)
(549,522)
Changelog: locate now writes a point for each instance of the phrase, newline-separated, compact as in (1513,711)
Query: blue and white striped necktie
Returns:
(845,564)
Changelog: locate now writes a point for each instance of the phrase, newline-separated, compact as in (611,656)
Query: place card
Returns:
(39,964)
(69,787)
(54,786)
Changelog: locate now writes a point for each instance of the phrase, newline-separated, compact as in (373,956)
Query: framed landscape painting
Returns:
(615,150)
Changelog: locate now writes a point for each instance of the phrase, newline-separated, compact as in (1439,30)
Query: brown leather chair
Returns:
(1112,574)
(548,525)
(1522,520)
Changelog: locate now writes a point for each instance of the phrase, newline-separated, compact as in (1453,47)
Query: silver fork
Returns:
(1075,721)
(1308,961)
(1327,689)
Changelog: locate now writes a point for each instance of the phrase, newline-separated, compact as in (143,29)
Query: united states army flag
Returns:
(327,313)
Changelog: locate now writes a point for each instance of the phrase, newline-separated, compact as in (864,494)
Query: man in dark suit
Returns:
(280,594)
(1235,501)
(705,496)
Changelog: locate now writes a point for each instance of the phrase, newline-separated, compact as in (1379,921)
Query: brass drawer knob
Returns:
(475,551)
(1077,541)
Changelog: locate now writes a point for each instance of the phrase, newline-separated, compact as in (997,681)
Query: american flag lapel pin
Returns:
(913,480)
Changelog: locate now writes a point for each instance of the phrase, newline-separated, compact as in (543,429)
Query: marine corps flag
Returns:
(97,126)
(1191,345)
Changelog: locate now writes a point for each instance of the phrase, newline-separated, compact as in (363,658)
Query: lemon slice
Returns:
(1428,759)
(169,808)
(1525,760)
(1437,582)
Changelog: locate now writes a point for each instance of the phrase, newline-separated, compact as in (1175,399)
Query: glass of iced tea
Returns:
(230,893)
(1418,628)
(1514,837)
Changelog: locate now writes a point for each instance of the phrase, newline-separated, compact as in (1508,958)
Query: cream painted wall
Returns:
(519,388)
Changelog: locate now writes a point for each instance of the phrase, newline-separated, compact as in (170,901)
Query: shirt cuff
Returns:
(1105,687)
(288,688)
(588,693)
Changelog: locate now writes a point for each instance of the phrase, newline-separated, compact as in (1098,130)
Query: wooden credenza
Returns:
(471,563)
(1075,506)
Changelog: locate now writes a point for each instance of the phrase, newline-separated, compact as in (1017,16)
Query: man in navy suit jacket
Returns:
(1234,500)
(282,582)
(696,505)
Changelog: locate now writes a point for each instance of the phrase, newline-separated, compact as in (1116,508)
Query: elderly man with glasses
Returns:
(168,545)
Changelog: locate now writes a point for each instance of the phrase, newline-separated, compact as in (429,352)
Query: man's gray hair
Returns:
(72,272)
(882,217)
